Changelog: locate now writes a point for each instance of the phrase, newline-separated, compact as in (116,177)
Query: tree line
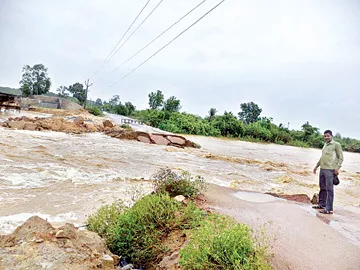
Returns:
(165,114)
(247,125)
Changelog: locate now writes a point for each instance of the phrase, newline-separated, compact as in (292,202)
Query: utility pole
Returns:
(86,91)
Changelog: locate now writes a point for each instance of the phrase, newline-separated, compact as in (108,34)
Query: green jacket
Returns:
(332,156)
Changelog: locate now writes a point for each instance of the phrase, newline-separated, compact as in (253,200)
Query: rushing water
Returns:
(66,177)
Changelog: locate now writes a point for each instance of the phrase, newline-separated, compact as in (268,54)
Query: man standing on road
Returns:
(329,163)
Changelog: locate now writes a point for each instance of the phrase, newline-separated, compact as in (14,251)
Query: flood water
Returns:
(66,177)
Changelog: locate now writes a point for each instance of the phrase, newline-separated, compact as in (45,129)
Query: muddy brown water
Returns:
(66,177)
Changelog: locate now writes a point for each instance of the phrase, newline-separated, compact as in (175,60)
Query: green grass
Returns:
(221,243)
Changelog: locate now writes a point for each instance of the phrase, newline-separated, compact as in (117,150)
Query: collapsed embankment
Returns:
(79,125)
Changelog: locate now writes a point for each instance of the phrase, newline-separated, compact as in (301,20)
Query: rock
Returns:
(127,267)
(170,262)
(180,198)
(176,140)
(59,234)
(68,244)
(107,260)
(40,240)
(315,198)
(85,251)
(116,259)
(108,124)
(143,139)
(68,231)
(79,121)
(32,228)
(159,139)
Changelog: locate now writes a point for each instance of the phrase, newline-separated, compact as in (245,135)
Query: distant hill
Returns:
(9,90)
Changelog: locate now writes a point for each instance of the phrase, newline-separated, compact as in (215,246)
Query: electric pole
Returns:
(86,91)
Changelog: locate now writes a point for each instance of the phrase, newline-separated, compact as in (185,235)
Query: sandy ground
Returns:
(302,238)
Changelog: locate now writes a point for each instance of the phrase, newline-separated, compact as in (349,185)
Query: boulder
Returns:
(315,198)
(108,124)
(180,198)
(34,245)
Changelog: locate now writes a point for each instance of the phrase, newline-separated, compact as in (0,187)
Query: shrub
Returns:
(256,130)
(299,144)
(167,181)
(125,126)
(136,233)
(105,218)
(94,110)
(220,243)
(229,125)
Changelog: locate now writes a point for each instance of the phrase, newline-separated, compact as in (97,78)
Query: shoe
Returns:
(326,212)
(318,207)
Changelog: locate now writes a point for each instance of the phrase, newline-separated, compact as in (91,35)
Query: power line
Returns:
(167,44)
(137,28)
(160,35)
(127,30)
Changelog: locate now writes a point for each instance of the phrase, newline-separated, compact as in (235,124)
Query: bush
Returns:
(256,130)
(105,218)
(169,182)
(136,233)
(229,125)
(94,110)
(220,243)
(299,144)
(125,126)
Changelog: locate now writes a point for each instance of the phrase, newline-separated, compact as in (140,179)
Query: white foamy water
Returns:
(84,171)
(9,223)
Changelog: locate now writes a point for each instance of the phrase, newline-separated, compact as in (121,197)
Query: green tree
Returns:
(309,131)
(229,125)
(78,91)
(62,91)
(250,112)
(156,100)
(212,114)
(98,102)
(114,101)
(35,80)
(172,104)
(131,108)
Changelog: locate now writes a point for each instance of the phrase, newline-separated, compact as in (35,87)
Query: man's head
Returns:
(328,136)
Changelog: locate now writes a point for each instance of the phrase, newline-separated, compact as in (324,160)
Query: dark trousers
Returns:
(326,195)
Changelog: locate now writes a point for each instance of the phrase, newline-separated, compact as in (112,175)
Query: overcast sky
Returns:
(298,59)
